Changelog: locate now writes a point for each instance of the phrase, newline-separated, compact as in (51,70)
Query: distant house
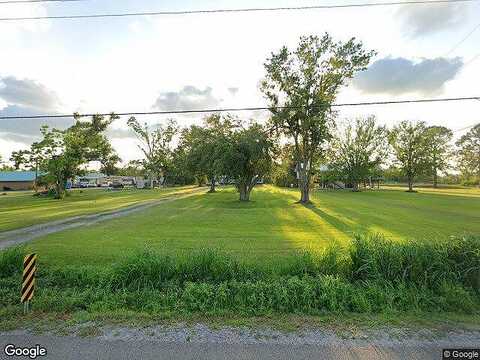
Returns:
(17,180)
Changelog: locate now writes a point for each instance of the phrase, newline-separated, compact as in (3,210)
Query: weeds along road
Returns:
(23,235)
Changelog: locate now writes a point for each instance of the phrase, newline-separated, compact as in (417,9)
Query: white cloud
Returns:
(28,93)
(427,19)
(188,98)
(27,130)
(399,75)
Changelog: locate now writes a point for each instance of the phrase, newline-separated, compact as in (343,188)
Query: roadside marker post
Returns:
(28,283)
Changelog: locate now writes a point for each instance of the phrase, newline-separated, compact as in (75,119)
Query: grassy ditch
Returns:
(374,276)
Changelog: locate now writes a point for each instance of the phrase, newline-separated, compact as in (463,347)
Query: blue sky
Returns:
(215,60)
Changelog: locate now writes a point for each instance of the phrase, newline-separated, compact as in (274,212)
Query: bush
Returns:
(303,295)
(374,275)
(11,261)
(472,181)
(148,269)
(419,263)
(143,270)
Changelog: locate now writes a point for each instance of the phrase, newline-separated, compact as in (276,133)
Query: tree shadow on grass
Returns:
(336,222)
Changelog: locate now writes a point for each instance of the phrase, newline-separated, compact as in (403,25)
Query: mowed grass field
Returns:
(271,226)
(21,209)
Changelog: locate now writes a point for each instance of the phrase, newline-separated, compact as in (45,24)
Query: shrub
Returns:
(374,275)
(11,261)
(143,270)
(419,263)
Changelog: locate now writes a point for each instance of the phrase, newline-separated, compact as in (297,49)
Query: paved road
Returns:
(73,348)
(23,235)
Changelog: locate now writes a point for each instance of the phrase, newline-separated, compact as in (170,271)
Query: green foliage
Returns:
(410,144)
(358,151)
(156,146)
(301,85)
(284,171)
(247,158)
(469,153)
(374,276)
(133,168)
(203,146)
(426,264)
(471,181)
(60,154)
(439,150)
(4,166)
(11,261)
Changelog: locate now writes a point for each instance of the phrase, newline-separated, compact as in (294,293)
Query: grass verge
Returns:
(376,276)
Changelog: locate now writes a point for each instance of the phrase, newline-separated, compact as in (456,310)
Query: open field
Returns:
(271,225)
(266,258)
(20,209)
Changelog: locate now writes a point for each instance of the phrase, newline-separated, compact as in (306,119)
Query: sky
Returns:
(216,60)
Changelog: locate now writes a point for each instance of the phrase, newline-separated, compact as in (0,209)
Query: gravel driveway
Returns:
(23,235)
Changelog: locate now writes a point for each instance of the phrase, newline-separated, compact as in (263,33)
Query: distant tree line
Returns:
(303,142)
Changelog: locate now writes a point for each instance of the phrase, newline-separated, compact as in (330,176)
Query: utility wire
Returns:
(463,40)
(200,111)
(465,128)
(471,60)
(34,1)
(214,11)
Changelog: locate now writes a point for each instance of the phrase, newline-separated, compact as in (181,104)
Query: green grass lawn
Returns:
(272,225)
(20,209)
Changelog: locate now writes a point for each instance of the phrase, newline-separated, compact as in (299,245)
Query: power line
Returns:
(465,128)
(214,11)
(201,111)
(471,60)
(34,1)
(463,40)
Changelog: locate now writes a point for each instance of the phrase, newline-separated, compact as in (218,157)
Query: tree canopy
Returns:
(301,85)
(206,144)
(358,150)
(469,152)
(438,151)
(61,153)
(409,143)
(247,158)
(156,146)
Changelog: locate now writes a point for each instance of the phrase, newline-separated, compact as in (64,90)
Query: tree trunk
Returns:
(410,184)
(435,179)
(244,192)
(35,187)
(59,190)
(212,185)
(355,187)
(304,186)
(305,192)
